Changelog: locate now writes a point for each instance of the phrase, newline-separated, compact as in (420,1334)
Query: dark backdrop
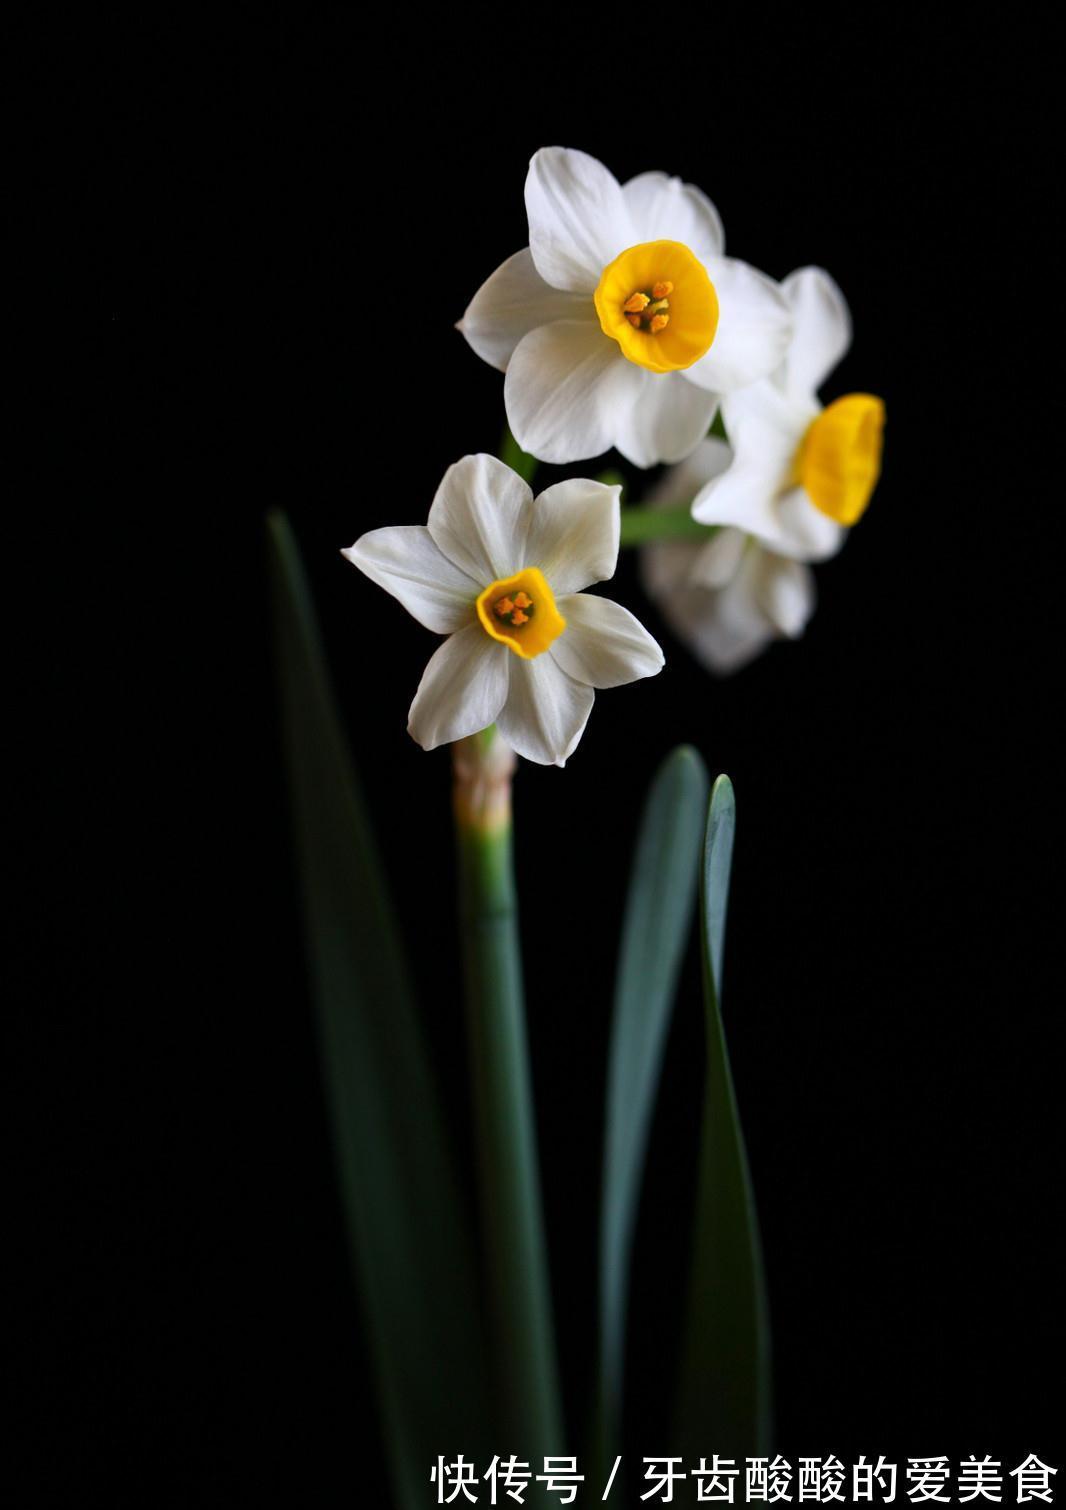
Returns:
(291,216)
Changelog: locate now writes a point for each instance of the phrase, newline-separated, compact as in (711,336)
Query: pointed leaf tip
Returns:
(717,865)
(725,1378)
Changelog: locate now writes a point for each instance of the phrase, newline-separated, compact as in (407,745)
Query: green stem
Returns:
(642,524)
(512,1218)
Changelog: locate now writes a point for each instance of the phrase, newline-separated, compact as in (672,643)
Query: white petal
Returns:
(784,590)
(546,711)
(462,689)
(715,564)
(404,560)
(573,535)
(756,494)
(760,502)
(733,628)
(744,497)
(685,578)
(480,516)
(728,628)
(668,420)
(725,648)
(821,329)
(806,532)
(682,482)
(568,389)
(603,645)
(724,630)
(578,221)
(665,209)
(669,567)
(767,425)
(763,419)
(754,325)
(514,301)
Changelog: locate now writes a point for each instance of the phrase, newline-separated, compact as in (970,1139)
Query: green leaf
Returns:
(662,897)
(406,1224)
(725,1380)
(518,460)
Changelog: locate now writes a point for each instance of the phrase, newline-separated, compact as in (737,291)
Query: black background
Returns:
(285,219)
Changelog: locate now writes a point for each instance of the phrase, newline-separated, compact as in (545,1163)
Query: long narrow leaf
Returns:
(411,1252)
(662,896)
(725,1386)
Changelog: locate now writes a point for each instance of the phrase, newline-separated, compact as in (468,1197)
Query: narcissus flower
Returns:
(501,574)
(795,476)
(801,474)
(621,324)
(729,598)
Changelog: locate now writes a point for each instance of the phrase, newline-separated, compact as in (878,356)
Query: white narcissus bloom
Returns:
(728,598)
(622,323)
(794,478)
(801,474)
(501,574)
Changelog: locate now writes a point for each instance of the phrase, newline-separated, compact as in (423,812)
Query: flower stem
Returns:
(642,524)
(523,1338)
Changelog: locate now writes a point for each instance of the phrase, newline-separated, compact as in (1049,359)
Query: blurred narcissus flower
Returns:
(621,324)
(801,474)
(783,494)
(501,574)
(728,598)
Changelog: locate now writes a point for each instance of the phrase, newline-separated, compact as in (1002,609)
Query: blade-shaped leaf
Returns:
(662,896)
(725,1382)
(411,1250)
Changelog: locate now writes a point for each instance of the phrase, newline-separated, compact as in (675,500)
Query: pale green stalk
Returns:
(641,525)
(524,1358)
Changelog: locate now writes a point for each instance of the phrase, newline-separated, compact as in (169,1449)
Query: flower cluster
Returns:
(623,323)
(784,492)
